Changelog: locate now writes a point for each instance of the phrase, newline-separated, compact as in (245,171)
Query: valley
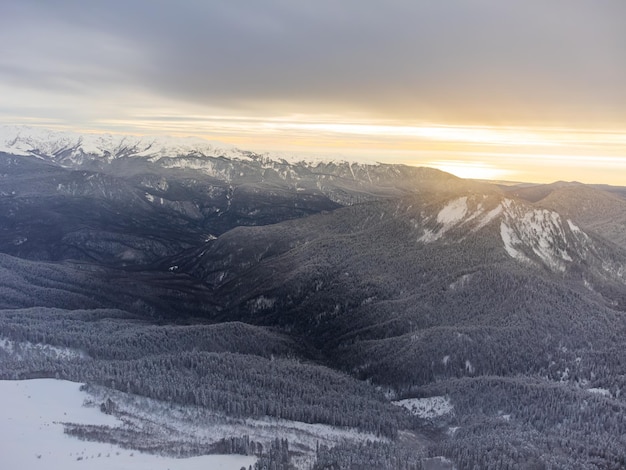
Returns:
(317,315)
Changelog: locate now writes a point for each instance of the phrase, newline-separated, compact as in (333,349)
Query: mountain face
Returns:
(424,270)
(252,286)
(123,200)
(600,210)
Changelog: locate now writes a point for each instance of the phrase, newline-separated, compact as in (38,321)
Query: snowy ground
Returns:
(427,408)
(168,422)
(18,350)
(32,437)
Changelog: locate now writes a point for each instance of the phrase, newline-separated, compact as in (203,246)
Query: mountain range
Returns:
(338,292)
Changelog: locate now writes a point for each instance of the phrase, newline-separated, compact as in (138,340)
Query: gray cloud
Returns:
(453,60)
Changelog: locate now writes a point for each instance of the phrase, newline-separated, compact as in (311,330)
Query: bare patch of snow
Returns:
(470,212)
(448,217)
(574,228)
(427,408)
(510,239)
(488,217)
(429,236)
(453,212)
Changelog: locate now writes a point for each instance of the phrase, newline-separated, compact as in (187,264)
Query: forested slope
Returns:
(331,294)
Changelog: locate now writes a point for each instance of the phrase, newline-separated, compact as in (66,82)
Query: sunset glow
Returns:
(469,169)
(538,154)
(526,93)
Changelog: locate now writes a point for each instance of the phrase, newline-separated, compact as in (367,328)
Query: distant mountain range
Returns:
(507,300)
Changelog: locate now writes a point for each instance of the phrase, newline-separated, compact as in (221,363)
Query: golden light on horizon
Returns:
(531,153)
(470,169)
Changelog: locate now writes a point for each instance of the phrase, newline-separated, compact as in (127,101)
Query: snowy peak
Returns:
(211,158)
(343,182)
(74,149)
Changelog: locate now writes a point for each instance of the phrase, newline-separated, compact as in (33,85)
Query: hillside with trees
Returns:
(369,316)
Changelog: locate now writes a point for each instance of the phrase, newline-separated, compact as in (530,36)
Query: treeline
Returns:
(236,385)
(115,334)
(204,365)
(248,386)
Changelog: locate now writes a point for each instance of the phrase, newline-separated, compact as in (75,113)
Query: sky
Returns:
(524,90)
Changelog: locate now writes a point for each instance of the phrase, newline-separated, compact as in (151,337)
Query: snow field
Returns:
(32,436)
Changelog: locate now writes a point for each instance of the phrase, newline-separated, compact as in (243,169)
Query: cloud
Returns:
(437,61)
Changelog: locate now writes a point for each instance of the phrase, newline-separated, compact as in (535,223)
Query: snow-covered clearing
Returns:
(191,424)
(20,349)
(427,408)
(32,437)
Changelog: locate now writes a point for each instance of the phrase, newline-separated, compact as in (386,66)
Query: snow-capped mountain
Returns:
(342,181)
(73,148)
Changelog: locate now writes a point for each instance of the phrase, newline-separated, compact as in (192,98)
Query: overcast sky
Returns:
(282,72)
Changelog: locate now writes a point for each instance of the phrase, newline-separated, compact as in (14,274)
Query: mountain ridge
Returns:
(321,292)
